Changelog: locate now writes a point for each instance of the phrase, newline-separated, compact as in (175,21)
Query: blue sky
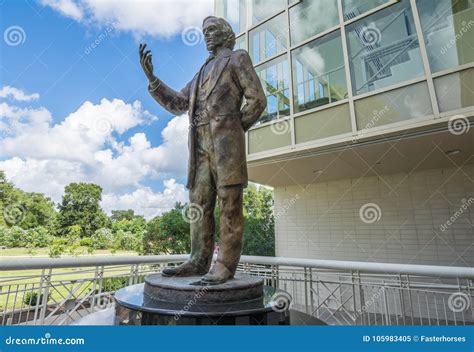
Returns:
(52,79)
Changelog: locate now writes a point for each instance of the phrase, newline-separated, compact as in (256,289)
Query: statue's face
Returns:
(213,34)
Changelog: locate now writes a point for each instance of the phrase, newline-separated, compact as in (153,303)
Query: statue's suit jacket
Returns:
(232,78)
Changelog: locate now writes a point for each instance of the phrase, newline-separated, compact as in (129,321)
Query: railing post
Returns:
(100,279)
(401,297)
(306,290)
(410,301)
(354,301)
(388,321)
(45,296)
(35,317)
(94,288)
(362,299)
(311,293)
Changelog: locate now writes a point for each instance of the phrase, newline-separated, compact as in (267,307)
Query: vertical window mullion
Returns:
(347,69)
(424,57)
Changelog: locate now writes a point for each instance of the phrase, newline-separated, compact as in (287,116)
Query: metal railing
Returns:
(61,291)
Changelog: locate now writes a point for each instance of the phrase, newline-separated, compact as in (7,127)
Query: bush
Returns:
(127,241)
(168,233)
(102,238)
(15,237)
(33,298)
(112,284)
(3,236)
(58,247)
(86,242)
(38,238)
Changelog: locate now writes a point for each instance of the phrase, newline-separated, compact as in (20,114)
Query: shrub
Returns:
(16,237)
(38,238)
(102,238)
(127,241)
(86,242)
(3,236)
(112,284)
(58,247)
(33,298)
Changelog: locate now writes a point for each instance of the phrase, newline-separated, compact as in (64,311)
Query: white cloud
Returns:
(146,202)
(67,8)
(153,17)
(77,138)
(17,94)
(40,156)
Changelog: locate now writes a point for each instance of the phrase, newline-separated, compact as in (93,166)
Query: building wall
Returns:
(323,221)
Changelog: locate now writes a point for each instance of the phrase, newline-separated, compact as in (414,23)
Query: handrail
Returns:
(362,267)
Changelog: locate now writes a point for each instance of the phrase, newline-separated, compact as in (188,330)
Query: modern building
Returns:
(368,137)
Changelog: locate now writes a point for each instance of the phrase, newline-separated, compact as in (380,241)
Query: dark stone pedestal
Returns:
(182,301)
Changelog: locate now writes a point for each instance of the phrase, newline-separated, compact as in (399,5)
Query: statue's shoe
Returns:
(185,269)
(217,275)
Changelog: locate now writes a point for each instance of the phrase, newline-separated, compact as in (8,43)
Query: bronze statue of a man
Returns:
(217,163)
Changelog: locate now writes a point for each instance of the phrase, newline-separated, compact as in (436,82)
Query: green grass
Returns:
(44,252)
(23,279)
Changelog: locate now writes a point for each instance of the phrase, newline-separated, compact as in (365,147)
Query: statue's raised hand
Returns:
(145,61)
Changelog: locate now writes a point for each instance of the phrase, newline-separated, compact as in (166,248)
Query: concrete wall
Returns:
(425,217)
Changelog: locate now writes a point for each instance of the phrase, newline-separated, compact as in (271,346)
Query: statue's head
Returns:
(217,33)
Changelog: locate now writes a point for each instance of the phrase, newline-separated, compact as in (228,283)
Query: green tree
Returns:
(81,206)
(168,234)
(39,211)
(259,229)
(118,215)
(26,210)
(129,234)
(102,238)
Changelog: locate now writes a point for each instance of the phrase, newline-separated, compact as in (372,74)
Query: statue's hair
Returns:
(229,41)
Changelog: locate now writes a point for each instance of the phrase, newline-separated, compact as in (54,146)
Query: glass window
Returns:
(269,39)
(265,138)
(234,11)
(275,81)
(384,49)
(455,91)
(354,8)
(309,18)
(448,27)
(240,43)
(318,73)
(323,124)
(394,106)
(262,9)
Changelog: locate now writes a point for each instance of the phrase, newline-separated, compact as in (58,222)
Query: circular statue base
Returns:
(244,300)
(185,289)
